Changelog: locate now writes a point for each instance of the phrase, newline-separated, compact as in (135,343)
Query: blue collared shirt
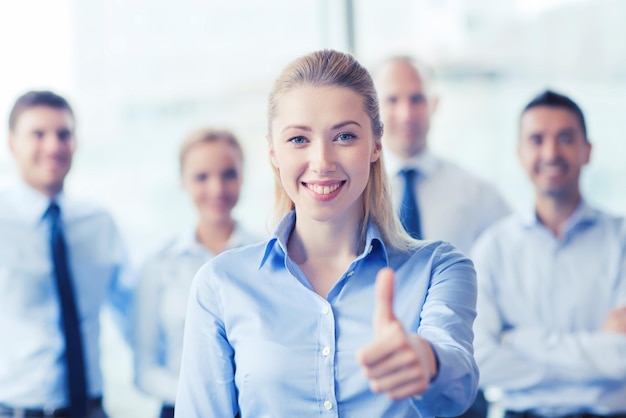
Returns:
(32,368)
(259,339)
(161,304)
(542,302)
(455,205)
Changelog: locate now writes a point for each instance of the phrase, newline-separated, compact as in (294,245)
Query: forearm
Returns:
(454,386)
(576,357)
(502,366)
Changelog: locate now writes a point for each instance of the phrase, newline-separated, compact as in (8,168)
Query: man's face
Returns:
(43,144)
(552,150)
(405,108)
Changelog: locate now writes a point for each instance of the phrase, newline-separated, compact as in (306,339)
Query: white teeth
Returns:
(323,189)
(553,169)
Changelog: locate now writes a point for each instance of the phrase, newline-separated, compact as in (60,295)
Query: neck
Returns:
(406,156)
(554,212)
(312,240)
(324,250)
(215,235)
(50,191)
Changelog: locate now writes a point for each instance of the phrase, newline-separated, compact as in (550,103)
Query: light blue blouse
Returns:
(259,340)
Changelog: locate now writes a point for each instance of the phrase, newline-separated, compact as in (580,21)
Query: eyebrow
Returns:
(568,130)
(308,129)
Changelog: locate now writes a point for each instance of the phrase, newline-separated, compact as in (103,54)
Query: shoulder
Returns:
(453,173)
(244,236)
(234,263)
(502,233)
(82,210)
(429,254)
(7,204)
(611,219)
(612,225)
(164,251)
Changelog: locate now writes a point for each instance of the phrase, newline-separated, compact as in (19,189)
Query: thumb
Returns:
(383,312)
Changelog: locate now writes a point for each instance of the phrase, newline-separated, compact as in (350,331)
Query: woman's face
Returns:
(322,145)
(211,174)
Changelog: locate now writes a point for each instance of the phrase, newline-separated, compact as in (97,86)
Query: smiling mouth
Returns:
(552,170)
(323,189)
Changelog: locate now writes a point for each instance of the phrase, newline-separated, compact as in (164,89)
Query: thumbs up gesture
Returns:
(396,363)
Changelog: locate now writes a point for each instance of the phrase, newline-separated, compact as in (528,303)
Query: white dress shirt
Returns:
(32,367)
(161,304)
(542,302)
(455,205)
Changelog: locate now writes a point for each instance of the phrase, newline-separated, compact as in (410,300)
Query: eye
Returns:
(535,139)
(418,98)
(565,138)
(64,135)
(38,134)
(230,174)
(345,137)
(201,177)
(298,140)
(392,99)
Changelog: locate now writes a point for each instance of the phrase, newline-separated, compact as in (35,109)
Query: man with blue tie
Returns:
(551,326)
(59,260)
(436,199)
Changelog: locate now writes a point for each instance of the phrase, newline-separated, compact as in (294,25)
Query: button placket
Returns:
(326,361)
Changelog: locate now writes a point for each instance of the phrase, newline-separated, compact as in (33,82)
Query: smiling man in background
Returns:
(551,325)
(435,198)
(59,259)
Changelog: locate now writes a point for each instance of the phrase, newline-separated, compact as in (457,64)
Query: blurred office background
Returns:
(143,73)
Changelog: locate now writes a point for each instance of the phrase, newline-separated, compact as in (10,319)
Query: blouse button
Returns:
(326,351)
(328,405)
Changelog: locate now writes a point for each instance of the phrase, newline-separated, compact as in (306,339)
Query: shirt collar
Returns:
(33,204)
(188,243)
(584,214)
(425,163)
(277,244)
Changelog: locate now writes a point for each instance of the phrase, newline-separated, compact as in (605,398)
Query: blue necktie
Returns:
(409,211)
(76,382)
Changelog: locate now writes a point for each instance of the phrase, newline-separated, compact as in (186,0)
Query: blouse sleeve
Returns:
(206,383)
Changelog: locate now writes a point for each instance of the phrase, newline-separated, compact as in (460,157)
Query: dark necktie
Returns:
(76,382)
(409,211)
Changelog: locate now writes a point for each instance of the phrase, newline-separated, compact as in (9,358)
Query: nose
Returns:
(322,160)
(404,110)
(550,149)
(215,186)
(54,143)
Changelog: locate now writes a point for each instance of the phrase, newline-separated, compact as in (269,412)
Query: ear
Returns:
(376,150)
(587,153)
(518,150)
(433,105)
(12,143)
(271,152)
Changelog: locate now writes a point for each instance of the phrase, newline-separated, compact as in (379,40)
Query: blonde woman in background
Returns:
(340,313)
(211,163)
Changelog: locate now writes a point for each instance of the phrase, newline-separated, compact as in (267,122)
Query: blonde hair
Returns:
(203,135)
(329,68)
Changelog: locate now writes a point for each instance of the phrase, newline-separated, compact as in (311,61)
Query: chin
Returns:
(216,217)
